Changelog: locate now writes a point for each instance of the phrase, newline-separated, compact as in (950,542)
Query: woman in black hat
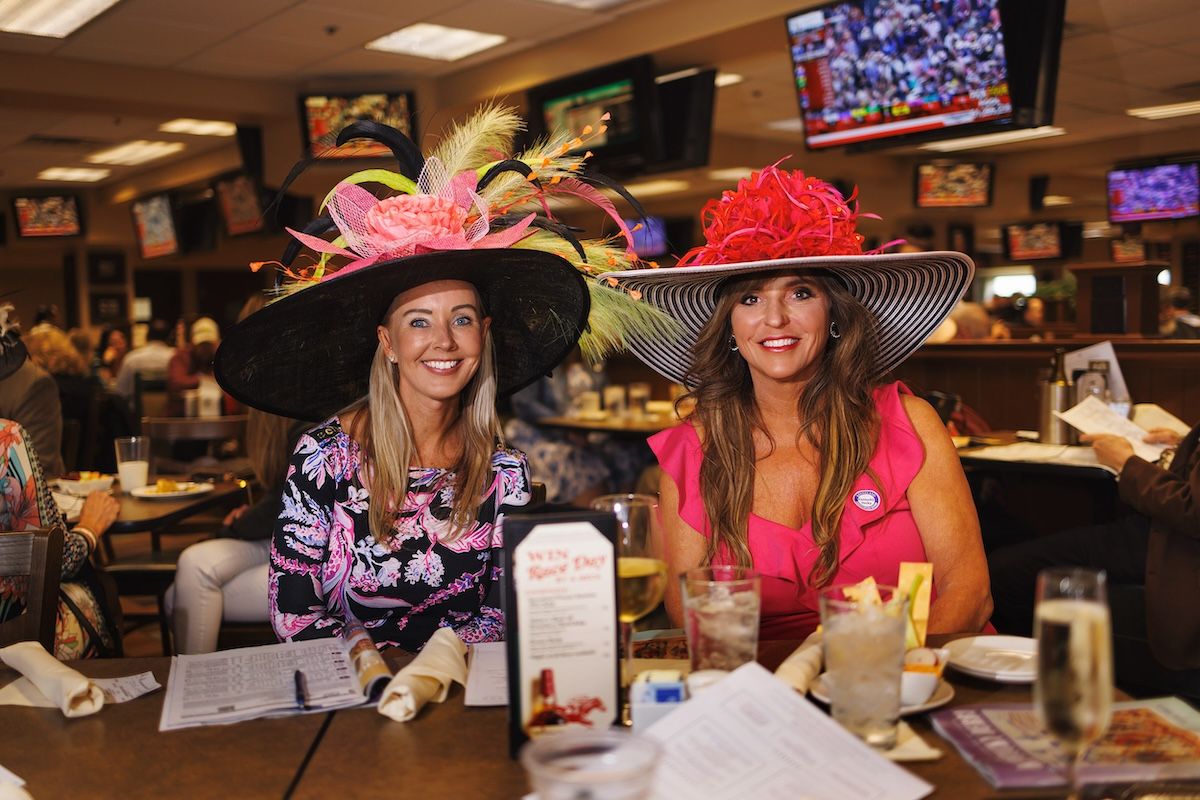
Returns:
(452,295)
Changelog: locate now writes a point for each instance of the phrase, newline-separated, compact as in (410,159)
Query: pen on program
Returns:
(301,691)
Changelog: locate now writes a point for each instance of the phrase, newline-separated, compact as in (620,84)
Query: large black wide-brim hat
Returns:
(308,355)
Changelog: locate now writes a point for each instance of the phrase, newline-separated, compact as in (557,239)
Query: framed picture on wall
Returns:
(108,307)
(106,268)
(960,238)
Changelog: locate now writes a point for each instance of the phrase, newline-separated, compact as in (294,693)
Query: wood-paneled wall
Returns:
(1000,379)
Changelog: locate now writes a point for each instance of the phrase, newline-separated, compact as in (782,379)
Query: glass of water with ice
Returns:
(864,657)
(720,611)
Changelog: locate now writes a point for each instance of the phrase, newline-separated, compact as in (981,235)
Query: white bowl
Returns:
(81,488)
(917,687)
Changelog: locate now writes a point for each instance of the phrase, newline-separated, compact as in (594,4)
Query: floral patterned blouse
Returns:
(326,567)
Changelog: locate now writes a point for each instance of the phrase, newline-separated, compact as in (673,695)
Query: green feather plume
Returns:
(478,139)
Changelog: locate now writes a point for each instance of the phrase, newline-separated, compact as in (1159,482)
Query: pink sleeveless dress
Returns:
(877,526)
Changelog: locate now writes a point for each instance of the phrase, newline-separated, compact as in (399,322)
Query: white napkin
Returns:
(804,664)
(910,746)
(59,685)
(427,677)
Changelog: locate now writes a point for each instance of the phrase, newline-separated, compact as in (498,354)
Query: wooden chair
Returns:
(149,397)
(38,554)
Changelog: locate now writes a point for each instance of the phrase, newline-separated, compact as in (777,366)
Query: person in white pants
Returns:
(217,580)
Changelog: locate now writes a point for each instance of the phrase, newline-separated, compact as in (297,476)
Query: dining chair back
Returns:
(37,554)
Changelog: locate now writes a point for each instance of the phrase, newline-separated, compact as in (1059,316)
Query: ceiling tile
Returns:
(227,15)
(139,42)
(1095,47)
(518,19)
(1166,31)
(20,43)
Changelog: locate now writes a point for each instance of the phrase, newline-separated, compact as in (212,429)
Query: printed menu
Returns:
(561,616)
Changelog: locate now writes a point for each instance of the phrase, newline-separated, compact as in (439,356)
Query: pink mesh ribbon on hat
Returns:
(446,214)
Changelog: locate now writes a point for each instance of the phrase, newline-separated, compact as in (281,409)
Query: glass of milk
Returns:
(133,462)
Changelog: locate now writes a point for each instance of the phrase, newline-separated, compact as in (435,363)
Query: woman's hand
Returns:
(1111,451)
(234,515)
(99,512)
(1162,436)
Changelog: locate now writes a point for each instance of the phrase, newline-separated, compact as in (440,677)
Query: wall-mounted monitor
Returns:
(625,91)
(154,226)
(873,72)
(239,200)
(1159,191)
(322,117)
(1035,241)
(48,216)
(945,185)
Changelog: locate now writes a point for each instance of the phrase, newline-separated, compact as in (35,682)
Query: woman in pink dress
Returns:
(801,459)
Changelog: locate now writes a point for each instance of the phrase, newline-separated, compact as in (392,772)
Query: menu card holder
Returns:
(560,609)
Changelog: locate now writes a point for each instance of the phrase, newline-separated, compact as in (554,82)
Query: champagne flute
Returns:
(641,570)
(1073,693)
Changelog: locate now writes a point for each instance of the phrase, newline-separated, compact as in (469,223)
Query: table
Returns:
(137,515)
(620,427)
(448,751)
(120,753)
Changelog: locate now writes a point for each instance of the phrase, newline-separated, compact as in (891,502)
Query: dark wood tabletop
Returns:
(449,750)
(119,752)
(149,515)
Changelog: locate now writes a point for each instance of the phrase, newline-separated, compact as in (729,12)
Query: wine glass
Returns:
(641,570)
(1073,693)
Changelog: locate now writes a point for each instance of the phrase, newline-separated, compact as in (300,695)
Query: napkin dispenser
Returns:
(654,694)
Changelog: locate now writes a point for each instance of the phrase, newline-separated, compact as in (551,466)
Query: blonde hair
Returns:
(836,413)
(51,349)
(382,429)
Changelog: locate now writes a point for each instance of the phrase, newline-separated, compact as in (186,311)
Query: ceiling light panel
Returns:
(136,152)
(199,127)
(437,42)
(588,5)
(53,18)
(74,174)
(1165,112)
(652,188)
(724,79)
(994,139)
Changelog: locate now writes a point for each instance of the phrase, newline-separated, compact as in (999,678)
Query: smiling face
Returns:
(434,334)
(781,327)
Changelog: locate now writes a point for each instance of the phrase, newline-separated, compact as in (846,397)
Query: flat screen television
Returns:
(873,72)
(945,185)
(1035,241)
(154,226)
(625,91)
(48,216)
(1160,191)
(239,200)
(322,117)
(685,111)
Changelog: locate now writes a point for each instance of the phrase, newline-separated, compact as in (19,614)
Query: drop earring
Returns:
(833,330)
(733,345)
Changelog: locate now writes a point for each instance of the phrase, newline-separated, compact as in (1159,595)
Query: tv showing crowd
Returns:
(880,61)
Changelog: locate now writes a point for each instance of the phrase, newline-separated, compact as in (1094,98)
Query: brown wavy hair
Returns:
(836,413)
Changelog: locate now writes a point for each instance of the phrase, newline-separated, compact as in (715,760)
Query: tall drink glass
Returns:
(133,462)
(721,607)
(1073,692)
(864,658)
(641,570)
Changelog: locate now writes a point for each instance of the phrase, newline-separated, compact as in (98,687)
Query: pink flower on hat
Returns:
(404,220)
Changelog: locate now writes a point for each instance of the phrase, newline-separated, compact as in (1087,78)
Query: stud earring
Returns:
(833,330)
(733,345)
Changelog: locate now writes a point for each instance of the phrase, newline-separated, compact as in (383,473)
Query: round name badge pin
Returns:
(866,499)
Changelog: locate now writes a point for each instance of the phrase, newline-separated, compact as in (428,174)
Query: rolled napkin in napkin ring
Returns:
(71,691)
(427,677)
(804,664)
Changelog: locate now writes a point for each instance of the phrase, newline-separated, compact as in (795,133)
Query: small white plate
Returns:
(943,694)
(186,489)
(81,488)
(1005,659)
